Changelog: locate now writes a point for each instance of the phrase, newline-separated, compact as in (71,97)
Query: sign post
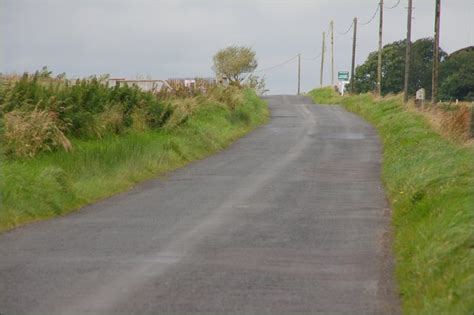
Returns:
(420,98)
(343,78)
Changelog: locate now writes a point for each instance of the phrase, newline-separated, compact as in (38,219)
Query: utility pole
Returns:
(434,83)
(322,59)
(408,52)
(379,65)
(354,42)
(332,53)
(299,74)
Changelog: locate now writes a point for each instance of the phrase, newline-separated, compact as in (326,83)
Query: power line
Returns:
(344,33)
(277,65)
(313,58)
(394,6)
(372,18)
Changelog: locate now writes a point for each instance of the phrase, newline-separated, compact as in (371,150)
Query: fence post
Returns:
(471,129)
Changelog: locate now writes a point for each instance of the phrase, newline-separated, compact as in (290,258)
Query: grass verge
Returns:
(429,181)
(55,183)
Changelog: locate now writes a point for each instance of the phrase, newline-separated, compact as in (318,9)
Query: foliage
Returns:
(88,107)
(54,183)
(92,110)
(233,61)
(393,68)
(457,76)
(429,181)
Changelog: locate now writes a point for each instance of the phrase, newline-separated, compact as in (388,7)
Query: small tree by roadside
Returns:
(233,61)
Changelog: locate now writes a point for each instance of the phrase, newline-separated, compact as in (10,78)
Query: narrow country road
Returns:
(291,218)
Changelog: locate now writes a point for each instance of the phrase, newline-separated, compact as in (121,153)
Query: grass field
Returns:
(429,181)
(55,183)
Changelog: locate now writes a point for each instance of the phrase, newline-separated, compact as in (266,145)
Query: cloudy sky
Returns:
(177,38)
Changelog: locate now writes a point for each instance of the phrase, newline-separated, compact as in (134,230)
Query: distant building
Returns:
(144,85)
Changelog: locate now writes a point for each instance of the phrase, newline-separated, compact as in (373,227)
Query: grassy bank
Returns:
(429,181)
(55,183)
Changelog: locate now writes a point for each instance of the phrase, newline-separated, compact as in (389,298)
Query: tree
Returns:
(393,68)
(457,80)
(233,61)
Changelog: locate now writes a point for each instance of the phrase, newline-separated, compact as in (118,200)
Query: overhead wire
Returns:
(313,58)
(394,6)
(373,16)
(327,35)
(277,65)
(348,30)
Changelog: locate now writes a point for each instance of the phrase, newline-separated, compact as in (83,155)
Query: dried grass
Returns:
(28,133)
(182,109)
(451,121)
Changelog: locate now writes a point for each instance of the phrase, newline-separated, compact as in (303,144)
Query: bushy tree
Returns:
(457,79)
(233,61)
(393,68)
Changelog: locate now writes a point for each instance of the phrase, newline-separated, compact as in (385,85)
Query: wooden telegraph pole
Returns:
(354,42)
(299,74)
(322,60)
(332,53)
(408,52)
(379,64)
(434,83)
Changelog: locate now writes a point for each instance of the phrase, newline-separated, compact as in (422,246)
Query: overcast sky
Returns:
(177,38)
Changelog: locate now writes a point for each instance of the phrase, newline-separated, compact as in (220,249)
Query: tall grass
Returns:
(27,133)
(79,102)
(55,183)
(429,181)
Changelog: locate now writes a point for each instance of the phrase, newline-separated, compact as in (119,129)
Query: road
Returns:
(290,218)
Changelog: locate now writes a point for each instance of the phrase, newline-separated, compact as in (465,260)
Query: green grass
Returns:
(429,181)
(56,183)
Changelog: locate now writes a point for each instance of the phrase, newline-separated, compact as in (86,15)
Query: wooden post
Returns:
(322,60)
(408,53)
(299,74)
(354,42)
(332,53)
(434,83)
(379,63)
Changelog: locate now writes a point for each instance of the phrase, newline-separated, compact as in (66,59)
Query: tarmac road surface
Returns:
(290,218)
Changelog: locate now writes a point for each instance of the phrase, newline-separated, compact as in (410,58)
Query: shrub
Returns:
(88,106)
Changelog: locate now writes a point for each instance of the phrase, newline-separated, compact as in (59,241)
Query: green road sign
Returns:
(343,75)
